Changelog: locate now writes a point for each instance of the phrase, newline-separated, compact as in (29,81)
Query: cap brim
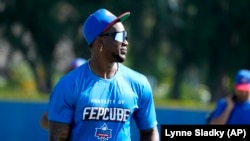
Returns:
(243,87)
(120,18)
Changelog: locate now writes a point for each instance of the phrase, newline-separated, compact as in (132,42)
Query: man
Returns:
(234,109)
(73,64)
(98,100)
(77,62)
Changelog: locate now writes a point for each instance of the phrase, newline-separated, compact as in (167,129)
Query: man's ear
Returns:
(100,42)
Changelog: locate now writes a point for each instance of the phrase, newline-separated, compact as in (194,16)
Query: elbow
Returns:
(149,135)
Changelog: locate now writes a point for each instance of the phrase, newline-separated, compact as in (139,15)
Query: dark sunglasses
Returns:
(117,36)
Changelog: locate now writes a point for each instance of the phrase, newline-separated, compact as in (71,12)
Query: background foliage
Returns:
(189,49)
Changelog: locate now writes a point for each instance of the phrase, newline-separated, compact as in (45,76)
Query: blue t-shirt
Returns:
(102,109)
(239,115)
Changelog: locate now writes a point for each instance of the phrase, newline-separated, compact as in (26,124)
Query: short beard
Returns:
(118,58)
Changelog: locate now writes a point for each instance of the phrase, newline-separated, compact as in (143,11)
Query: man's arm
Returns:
(59,131)
(223,118)
(149,135)
(44,121)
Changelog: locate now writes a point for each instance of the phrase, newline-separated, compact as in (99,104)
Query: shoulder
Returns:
(137,80)
(220,105)
(132,75)
(130,72)
(221,102)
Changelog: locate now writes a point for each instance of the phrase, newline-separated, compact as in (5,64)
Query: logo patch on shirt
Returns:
(103,133)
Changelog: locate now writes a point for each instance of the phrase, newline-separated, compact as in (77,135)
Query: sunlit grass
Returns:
(183,104)
(17,95)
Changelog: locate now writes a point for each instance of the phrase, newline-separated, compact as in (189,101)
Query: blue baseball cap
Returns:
(242,80)
(99,22)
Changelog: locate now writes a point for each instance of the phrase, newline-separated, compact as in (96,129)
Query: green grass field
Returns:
(183,104)
(16,95)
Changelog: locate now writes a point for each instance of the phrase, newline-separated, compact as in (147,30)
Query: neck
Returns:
(103,69)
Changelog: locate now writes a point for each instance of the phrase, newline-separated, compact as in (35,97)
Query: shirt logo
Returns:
(103,133)
(106,114)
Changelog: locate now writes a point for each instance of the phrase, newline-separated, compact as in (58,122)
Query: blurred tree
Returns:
(46,22)
(166,37)
(211,34)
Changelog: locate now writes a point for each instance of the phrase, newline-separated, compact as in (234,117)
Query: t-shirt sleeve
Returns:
(61,102)
(145,115)
(221,105)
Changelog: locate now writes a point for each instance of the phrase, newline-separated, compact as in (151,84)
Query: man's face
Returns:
(243,95)
(115,43)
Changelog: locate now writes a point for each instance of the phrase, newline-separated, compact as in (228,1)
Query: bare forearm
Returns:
(59,131)
(222,119)
(150,135)
(44,121)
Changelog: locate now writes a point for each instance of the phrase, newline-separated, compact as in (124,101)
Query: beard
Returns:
(119,58)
